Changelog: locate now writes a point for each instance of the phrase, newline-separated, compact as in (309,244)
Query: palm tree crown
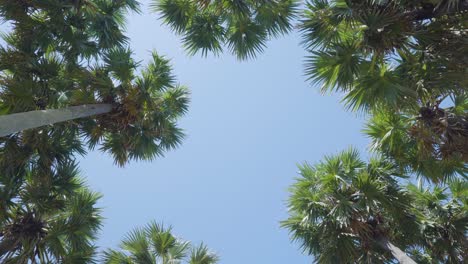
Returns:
(82,59)
(48,217)
(343,210)
(156,244)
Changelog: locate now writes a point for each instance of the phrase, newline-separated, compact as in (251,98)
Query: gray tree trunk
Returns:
(20,121)
(397,253)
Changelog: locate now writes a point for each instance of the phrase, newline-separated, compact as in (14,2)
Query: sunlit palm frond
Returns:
(336,69)
(324,23)
(203,255)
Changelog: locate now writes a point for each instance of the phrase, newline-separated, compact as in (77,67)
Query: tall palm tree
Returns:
(343,210)
(138,116)
(76,65)
(156,244)
(48,217)
(242,26)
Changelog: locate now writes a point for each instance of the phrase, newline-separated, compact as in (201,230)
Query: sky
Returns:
(249,124)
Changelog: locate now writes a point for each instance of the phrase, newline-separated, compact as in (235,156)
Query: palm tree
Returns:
(343,210)
(156,244)
(48,217)
(75,67)
(387,57)
(242,26)
(138,116)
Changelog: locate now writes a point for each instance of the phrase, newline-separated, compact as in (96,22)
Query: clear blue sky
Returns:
(248,126)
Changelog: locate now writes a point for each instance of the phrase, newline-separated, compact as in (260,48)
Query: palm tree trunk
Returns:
(20,121)
(397,253)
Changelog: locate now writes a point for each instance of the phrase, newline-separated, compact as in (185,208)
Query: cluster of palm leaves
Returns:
(156,243)
(48,216)
(68,83)
(243,27)
(343,210)
(81,60)
(59,55)
(355,203)
(403,63)
(442,217)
